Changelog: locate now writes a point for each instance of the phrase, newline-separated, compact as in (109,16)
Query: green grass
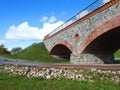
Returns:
(117,54)
(35,52)
(38,52)
(10,82)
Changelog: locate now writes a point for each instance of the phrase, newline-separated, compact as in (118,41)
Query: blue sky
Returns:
(23,22)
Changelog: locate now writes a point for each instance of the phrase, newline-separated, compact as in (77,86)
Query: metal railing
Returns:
(78,16)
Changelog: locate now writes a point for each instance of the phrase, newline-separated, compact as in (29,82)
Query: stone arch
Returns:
(108,26)
(63,42)
(62,49)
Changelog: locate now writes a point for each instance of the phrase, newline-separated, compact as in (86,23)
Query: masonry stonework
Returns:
(88,75)
(84,29)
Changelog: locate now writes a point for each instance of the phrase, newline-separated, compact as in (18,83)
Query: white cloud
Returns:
(26,32)
(2,42)
(44,19)
(22,32)
(48,27)
(105,1)
(52,19)
(47,19)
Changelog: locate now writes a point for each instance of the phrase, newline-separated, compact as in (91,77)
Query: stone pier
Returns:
(91,59)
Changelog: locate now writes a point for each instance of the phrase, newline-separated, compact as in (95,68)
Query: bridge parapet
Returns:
(78,16)
(77,32)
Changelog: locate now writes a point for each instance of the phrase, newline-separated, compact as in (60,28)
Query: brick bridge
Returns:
(89,39)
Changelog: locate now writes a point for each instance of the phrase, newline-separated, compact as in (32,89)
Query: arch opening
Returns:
(106,44)
(62,51)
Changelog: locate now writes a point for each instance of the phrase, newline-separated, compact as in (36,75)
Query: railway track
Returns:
(99,66)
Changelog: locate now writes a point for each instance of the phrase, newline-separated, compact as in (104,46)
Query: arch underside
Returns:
(105,45)
(62,49)
(104,41)
(105,37)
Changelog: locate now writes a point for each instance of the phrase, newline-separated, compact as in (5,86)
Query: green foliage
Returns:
(1,46)
(16,50)
(117,54)
(3,50)
(35,52)
(8,82)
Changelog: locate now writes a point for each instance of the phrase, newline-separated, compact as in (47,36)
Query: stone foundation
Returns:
(69,73)
(91,59)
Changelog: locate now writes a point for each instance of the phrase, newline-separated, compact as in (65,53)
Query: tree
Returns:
(3,50)
(16,50)
(1,46)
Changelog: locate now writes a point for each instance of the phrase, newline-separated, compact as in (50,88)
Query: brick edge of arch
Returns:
(109,25)
(63,42)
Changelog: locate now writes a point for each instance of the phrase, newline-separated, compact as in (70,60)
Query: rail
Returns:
(78,16)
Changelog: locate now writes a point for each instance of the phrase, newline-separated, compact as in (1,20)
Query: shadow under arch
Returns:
(62,49)
(105,40)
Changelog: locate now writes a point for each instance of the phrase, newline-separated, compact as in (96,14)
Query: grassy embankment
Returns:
(117,54)
(8,82)
(35,52)
(38,52)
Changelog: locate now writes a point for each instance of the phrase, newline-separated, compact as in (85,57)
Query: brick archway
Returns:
(110,25)
(63,42)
